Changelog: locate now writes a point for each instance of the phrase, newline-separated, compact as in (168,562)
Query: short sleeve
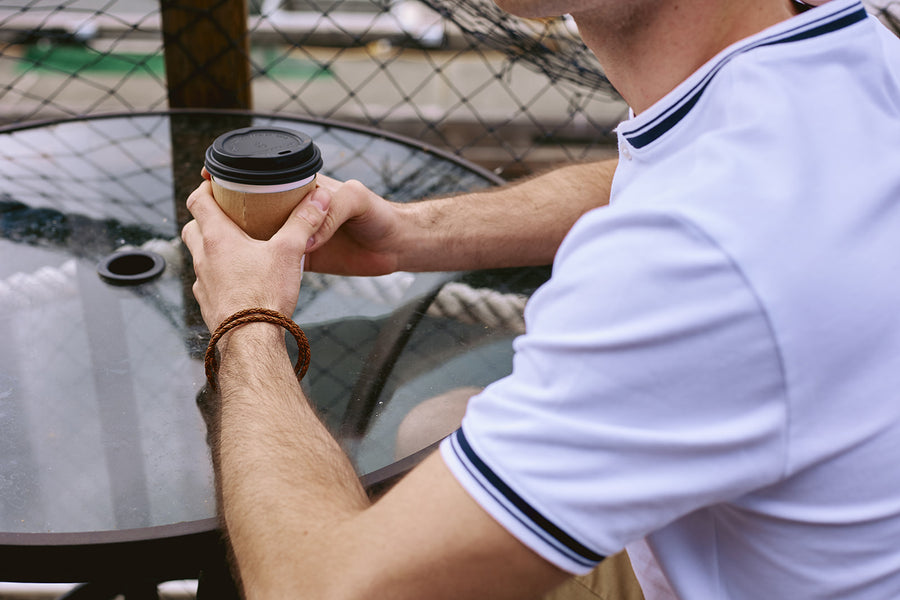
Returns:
(648,385)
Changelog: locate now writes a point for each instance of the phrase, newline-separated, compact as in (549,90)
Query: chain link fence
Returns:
(512,95)
(509,94)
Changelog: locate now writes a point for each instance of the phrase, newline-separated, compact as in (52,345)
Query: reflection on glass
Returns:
(98,424)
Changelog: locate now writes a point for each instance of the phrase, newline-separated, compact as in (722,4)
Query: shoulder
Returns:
(645,340)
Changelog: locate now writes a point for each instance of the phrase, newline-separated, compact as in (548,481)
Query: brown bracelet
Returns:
(251,315)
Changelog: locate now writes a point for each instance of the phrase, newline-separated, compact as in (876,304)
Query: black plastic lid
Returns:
(263,156)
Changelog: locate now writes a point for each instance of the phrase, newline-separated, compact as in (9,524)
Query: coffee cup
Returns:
(259,174)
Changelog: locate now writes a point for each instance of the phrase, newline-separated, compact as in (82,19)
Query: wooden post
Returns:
(207,53)
(190,134)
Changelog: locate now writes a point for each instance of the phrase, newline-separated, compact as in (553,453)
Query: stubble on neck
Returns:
(648,47)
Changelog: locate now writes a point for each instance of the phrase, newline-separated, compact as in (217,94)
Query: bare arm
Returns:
(299,523)
(516,225)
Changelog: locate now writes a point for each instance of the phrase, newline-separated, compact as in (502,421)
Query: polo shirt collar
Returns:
(651,125)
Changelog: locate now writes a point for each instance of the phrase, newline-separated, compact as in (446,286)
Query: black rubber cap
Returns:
(131,267)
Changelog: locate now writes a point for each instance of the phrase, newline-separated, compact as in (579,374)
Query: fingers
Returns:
(207,212)
(307,218)
(304,221)
(348,200)
(197,203)
(210,223)
(190,233)
(328,183)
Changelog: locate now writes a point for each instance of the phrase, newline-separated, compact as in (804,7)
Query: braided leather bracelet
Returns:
(251,315)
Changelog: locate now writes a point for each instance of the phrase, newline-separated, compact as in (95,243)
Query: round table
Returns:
(104,469)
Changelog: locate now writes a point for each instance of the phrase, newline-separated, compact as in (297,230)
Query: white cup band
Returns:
(262,189)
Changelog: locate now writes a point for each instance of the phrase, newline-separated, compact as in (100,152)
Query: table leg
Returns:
(215,581)
(112,590)
(216,585)
(392,338)
(142,592)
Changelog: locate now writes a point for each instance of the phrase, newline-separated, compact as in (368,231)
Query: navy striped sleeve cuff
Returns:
(544,529)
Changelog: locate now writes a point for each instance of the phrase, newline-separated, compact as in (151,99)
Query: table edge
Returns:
(326,121)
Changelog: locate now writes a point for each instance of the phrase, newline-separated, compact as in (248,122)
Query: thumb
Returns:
(307,217)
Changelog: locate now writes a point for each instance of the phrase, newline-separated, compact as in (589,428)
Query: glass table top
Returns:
(99,429)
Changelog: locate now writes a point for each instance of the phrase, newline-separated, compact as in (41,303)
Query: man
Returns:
(710,377)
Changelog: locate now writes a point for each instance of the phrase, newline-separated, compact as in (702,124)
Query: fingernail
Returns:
(310,242)
(321,199)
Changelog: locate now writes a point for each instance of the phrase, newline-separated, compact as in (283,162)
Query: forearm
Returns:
(282,477)
(517,225)
(300,525)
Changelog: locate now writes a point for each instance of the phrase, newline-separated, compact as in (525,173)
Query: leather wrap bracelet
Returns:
(256,315)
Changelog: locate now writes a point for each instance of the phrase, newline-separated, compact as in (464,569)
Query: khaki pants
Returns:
(613,579)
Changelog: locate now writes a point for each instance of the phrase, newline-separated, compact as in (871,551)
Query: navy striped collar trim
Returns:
(657,127)
(519,507)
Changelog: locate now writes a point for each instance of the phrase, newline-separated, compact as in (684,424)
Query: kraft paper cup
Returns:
(259,174)
(260,210)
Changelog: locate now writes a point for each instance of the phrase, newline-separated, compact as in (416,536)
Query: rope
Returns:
(21,290)
(383,289)
(480,306)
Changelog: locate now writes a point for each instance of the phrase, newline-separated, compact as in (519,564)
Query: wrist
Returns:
(422,243)
(256,332)
(256,329)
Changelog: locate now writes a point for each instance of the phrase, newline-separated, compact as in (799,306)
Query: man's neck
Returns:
(648,47)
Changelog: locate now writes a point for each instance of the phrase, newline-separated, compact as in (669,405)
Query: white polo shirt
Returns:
(714,366)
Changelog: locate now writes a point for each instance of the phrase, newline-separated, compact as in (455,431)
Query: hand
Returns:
(360,235)
(235,271)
